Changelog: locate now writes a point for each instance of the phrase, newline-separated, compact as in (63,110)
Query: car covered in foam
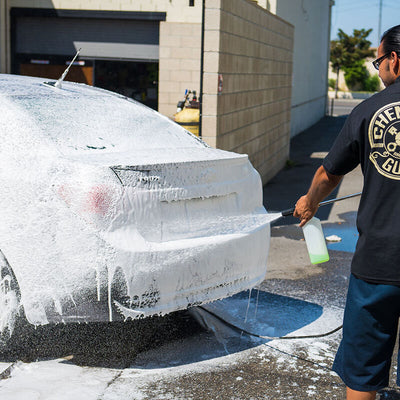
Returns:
(110,210)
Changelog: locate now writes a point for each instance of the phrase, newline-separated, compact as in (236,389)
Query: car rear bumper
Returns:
(172,276)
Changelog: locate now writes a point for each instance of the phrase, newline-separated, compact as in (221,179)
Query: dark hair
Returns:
(391,40)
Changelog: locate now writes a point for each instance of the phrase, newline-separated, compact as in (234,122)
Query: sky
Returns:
(357,14)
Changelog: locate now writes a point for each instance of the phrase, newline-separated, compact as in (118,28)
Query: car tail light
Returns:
(98,204)
(99,200)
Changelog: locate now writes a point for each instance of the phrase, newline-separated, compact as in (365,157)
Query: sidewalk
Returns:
(288,256)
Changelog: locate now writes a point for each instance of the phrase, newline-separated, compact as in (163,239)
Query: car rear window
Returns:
(101,122)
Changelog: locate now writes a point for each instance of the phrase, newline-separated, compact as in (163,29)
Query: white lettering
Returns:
(397,111)
(391,165)
(379,121)
(376,135)
(386,165)
(390,113)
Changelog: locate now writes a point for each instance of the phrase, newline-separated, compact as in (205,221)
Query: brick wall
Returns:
(252,49)
(179,63)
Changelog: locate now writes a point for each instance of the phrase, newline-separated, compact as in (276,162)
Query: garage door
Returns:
(108,38)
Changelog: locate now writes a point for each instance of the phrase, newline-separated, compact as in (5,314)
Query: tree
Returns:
(356,76)
(348,50)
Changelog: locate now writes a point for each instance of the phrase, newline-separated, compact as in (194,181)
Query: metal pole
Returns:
(324,203)
(201,70)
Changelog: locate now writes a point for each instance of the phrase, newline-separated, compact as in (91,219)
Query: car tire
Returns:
(10,302)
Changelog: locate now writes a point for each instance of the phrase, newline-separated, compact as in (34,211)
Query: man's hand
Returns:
(305,210)
(322,184)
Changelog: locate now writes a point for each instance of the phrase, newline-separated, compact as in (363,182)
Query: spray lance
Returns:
(290,211)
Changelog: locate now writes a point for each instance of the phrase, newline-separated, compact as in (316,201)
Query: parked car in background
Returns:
(110,211)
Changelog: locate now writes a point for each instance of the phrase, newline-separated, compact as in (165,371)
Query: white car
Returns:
(109,210)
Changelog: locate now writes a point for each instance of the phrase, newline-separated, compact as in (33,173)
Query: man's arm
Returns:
(322,184)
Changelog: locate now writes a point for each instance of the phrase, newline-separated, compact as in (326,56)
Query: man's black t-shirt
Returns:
(371,137)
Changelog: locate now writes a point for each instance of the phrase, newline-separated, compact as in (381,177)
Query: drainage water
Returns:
(248,306)
(266,314)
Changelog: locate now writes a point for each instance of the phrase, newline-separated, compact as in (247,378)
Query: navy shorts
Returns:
(369,335)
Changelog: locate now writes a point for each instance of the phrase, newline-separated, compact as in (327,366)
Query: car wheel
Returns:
(10,301)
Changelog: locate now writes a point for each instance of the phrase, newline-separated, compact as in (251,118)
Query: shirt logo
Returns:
(384,138)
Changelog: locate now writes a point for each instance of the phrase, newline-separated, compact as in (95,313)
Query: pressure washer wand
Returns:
(290,211)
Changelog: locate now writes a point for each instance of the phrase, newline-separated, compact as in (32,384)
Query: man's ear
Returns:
(395,63)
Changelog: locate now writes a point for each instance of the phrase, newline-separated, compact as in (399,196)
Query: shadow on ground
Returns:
(109,345)
(118,344)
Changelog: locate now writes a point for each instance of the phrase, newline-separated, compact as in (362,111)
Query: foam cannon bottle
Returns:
(313,234)
(315,241)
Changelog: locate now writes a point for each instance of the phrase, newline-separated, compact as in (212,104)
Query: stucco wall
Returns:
(311,19)
(252,50)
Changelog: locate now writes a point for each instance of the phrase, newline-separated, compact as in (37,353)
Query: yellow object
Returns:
(189,118)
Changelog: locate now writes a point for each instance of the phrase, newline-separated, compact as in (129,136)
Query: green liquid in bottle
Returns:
(318,258)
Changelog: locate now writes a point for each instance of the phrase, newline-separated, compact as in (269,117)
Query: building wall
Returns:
(269,5)
(177,10)
(179,63)
(252,50)
(4,37)
(311,20)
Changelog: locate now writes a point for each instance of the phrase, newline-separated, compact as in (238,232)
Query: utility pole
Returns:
(380,21)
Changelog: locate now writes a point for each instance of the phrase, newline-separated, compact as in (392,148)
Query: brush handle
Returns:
(290,211)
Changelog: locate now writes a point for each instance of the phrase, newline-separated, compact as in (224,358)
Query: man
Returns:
(370,137)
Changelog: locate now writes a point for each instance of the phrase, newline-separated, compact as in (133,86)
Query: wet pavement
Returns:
(174,357)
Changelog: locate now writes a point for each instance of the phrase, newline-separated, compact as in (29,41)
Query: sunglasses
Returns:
(376,63)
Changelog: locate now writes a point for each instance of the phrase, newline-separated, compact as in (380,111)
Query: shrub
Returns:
(356,76)
(372,84)
(332,83)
